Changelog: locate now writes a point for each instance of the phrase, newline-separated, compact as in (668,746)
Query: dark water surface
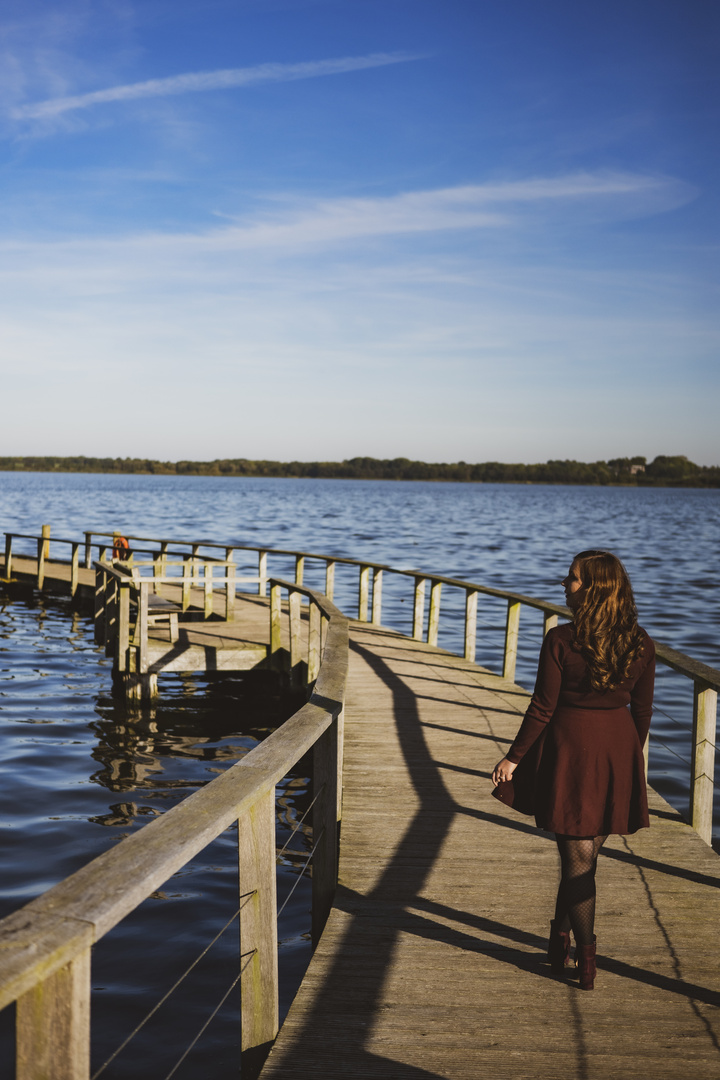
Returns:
(79,772)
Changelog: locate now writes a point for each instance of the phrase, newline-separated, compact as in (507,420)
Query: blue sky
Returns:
(312,229)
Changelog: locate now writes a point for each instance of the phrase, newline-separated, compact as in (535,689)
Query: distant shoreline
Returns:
(663,471)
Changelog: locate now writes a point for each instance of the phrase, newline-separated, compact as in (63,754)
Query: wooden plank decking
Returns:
(432,962)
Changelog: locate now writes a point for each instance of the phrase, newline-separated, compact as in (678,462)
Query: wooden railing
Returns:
(122,588)
(705,680)
(46,945)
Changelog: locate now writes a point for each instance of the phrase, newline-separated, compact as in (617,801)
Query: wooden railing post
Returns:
(419,608)
(53,1026)
(142,627)
(40,563)
(294,601)
(208,586)
(8,555)
(123,629)
(45,532)
(258,933)
(74,568)
(325,818)
(313,643)
(88,550)
(377,597)
(512,628)
(230,592)
(275,620)
(329,579)
(187,581)
(363,592)
(299,569)
(434,616)
(100,589)
(158,572)
(703,759)
(262,573)
(111,614)
(549,621)
(471,602)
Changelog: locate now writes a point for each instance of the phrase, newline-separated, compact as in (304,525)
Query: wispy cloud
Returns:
(199,81)
(471,206)
(291,225)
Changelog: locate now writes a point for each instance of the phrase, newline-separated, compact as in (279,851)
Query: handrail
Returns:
(46,944)
(705,679)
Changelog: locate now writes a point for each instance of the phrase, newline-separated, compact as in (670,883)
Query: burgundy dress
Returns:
(590,779)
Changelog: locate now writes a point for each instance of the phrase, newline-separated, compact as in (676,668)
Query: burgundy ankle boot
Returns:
(585,963)
(558,949)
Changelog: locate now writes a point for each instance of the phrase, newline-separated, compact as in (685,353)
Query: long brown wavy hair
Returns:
(605,626)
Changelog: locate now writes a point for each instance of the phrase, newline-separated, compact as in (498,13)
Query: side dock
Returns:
(430,926)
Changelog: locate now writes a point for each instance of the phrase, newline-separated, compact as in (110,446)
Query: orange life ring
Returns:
(120,547)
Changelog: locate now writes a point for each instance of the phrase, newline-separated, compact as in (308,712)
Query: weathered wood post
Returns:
(325,830)
(230,590)
(208,589)
(275,623)
(99,613)
(549,621)
(434,616)
(45,531)
(53,1025)
(88,550)
(123,629)
(141,629)
(262,573)
(313,643)
(512,629)
(329,579)
(299,569)
(363,593)
(377,596)
(40,563)
(8,555)
(419,608)
(471,602)
(295,638)
(74,568)
(158,571)
(187,581)
(258,933)
(111,614)
(703,759)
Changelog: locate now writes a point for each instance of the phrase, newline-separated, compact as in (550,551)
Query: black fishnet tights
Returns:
(575,906)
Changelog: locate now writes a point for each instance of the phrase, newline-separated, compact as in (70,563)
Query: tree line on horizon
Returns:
(663,471)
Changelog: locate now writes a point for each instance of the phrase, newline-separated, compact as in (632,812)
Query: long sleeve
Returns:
(641,695)
(544,700)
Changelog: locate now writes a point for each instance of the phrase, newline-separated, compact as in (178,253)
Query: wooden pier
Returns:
(430,954)
(432,963)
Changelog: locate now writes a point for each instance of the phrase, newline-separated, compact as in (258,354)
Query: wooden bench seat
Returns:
(161,611)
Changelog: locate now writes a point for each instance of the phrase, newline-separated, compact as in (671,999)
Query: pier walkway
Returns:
(432,964)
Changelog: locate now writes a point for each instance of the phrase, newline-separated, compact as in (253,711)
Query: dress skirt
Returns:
(591,775)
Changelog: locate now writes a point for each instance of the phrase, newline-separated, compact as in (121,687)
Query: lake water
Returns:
(79,772)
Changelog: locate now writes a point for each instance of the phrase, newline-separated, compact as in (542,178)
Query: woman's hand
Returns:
(503,771)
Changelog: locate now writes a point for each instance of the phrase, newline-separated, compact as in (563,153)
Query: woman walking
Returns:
(590,780)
